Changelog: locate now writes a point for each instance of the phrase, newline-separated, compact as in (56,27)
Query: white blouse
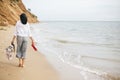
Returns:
(22,30)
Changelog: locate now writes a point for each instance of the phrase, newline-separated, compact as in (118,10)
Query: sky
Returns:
(75,10)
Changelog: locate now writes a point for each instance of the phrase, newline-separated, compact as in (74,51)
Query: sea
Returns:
(90,46)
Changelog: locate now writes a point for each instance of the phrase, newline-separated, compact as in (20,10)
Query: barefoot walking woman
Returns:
(22,33)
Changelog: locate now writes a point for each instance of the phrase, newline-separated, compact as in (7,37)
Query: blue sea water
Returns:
(93,46)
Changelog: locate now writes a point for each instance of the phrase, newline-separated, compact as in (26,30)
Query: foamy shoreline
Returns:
(68,71)
(98,66)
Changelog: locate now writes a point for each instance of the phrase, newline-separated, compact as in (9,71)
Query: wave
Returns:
(97,72)
(85,43)
(112,60)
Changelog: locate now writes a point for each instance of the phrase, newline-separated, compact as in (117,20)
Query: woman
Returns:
(22,33)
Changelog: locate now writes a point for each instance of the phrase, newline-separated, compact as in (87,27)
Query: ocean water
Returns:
(91,46)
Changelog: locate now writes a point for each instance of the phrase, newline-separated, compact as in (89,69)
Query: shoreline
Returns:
(66,71)
(69,70)
(36,65)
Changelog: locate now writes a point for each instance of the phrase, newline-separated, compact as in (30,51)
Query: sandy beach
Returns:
(36,67)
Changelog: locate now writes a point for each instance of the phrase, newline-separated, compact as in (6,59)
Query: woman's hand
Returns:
(12,41)
(33,44)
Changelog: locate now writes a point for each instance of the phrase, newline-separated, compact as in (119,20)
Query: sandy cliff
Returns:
(10,11)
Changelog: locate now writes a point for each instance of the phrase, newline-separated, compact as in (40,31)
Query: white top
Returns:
(22,29)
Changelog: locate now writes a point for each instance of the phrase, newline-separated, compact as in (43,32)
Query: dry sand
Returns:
(36,65)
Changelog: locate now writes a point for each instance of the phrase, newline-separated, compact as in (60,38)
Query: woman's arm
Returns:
(13,39)
(32,40)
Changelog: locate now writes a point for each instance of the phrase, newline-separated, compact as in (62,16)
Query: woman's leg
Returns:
(20,62)
(19,44)
(23,49)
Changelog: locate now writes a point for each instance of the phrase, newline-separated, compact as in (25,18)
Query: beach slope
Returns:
(36,64)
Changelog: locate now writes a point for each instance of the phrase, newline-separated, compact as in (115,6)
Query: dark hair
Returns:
(23,18)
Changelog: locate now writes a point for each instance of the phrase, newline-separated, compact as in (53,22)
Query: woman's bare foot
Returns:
(19,65)
(22,65)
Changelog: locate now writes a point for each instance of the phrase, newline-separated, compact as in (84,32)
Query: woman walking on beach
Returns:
(22,33)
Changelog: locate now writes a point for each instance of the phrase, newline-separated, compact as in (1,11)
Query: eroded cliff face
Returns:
(10,11)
